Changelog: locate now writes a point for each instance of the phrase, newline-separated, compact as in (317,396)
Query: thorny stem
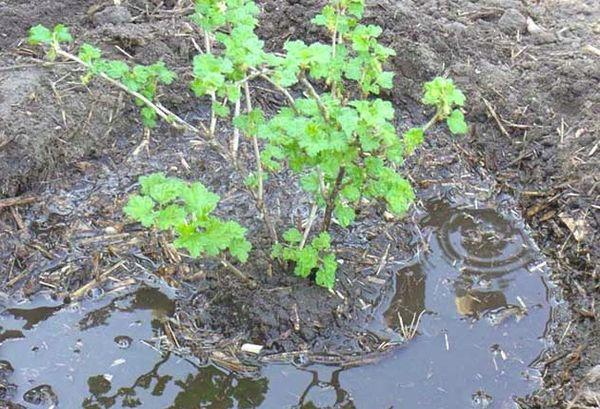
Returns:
(163,112)
(314,95)
(334,52)
(235,144)
(332,199)
(431,122)
(311,220)
(283,91)
(213,95)
(260,202)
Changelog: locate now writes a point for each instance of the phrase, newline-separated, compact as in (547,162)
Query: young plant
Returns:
(339,136)
(140,81)
(312,259)
(185,209)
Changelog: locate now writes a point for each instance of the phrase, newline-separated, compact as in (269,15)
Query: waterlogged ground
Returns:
(479,290)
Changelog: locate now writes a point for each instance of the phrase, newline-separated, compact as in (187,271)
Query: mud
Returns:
(533,106)
(478,290)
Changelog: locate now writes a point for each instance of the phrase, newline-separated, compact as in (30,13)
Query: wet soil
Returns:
(477,295)
(533,106)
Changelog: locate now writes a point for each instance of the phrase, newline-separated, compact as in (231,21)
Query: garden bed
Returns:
(72,153)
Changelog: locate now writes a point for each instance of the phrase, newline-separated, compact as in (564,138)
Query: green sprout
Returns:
(185,209)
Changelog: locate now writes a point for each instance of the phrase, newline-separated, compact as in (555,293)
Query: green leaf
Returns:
(88,53)
(149,117)
(322,241)
(141,209)
(39,35)
(413,139)
(250,123)
(292,236)
(351,192)
(456,123)
(458,98)
(345,215)
(62,34)
(147,183)
(326,274)
(307,260)
(221,110)
(161,189)
(189,239)
(170,216)
(240,249)
(277,251)
(386,80)
(116,69)
(162,73)
(199,200)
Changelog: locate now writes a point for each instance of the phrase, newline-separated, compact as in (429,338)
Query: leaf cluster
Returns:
(231,23)
(339,136)
(41,35)
(448,99)
(170,204)
(314,258)
(143,79)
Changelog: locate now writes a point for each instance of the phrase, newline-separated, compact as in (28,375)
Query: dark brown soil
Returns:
(534,104)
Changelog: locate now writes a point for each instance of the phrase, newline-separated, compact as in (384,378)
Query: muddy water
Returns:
(483,308)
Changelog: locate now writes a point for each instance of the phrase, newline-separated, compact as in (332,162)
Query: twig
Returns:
(311,220)
(496,117)
(383,259)
(163,112)
(288,96)
(213,95)
(83,290)
(260,202)
(17,201)
(332,198)
(313,94)
(238,272)
(235,143)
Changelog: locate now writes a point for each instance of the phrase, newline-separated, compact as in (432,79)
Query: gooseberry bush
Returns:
(337,133)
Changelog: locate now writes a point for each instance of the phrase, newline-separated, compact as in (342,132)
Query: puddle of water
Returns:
(485,316)
(484,321)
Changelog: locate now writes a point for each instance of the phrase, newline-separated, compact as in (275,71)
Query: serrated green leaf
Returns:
(456,123)
(160,188)
(199,200)
(62,34)
(292,236)
(170,216)
(345,215)
(240,249)
(189,239)
(458,98)
(88,53)
(222,111)
(148,182)
(413,138)
(116,69)
(326,274)
(39,35)
(307,260)
(322,241)
(141,209)
(149,117)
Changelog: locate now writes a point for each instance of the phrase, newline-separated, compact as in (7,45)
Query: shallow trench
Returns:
(472,310)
